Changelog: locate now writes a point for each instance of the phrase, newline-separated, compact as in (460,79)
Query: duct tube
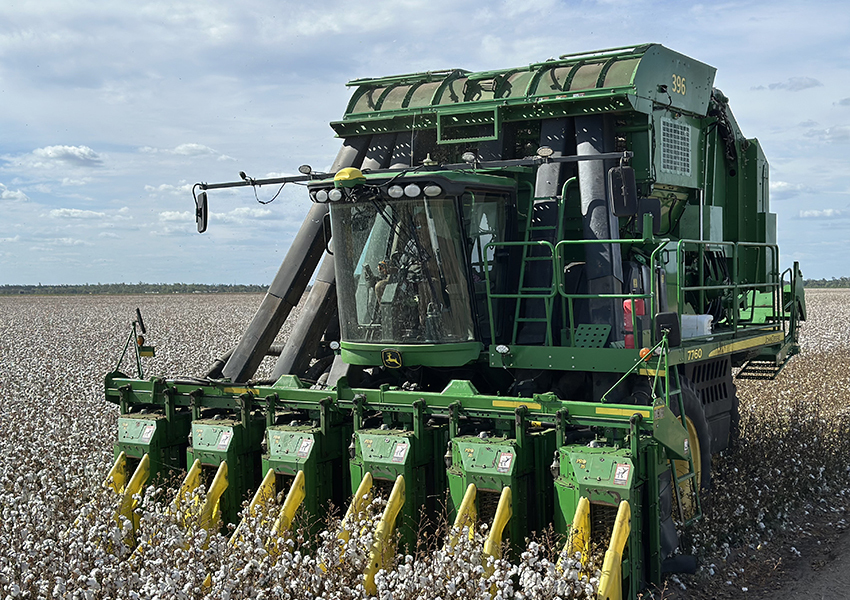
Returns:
(291,279)
(380,151)
(604,267)
(553,133)
(402,157)
(314,318)
(319,308)
(215,370)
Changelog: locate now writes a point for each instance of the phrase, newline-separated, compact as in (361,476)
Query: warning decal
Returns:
(400,452)
(304,447)
(621,475)
(147,434)
(505,461)
(224,440)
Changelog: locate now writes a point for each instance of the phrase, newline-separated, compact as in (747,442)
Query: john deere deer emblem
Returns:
(391,358)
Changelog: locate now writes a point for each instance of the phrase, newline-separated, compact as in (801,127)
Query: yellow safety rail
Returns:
(611,581)
(493,544)
(383,547)
(578,541)
(467,515)
(362,498)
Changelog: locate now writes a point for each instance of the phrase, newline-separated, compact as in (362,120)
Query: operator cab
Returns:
(413,262)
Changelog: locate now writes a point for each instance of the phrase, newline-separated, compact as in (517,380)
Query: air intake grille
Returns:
(675,147)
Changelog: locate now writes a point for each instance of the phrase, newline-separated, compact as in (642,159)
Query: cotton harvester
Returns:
(526,277)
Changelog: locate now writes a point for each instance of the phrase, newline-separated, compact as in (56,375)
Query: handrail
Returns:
(774,286)
(631,297)
(766,251)
(546,297)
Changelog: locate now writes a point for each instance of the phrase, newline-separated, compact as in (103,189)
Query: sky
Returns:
(110,111)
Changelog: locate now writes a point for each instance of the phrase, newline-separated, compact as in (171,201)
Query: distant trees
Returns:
(130,288)
(221,288)
(841,282)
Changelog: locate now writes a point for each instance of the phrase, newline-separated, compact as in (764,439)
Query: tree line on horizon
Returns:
(840,282)
(130,288)
(222,288)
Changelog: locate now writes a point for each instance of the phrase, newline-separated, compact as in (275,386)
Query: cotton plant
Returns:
(59,537)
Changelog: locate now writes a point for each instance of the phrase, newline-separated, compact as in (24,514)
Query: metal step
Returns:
(761,369)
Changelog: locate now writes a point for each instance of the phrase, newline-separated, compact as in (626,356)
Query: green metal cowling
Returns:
(635,78)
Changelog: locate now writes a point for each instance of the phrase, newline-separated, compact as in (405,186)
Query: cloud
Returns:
(844,102)
(67,181)
(836,134)
(75,213)
(239,216)
(177,190)
(188,149)
(108,234)
(65,241)
(827,213)
(793,84)
(7,194)
(78,156)
(242,215)
(10,240)
(174,222)
(173,215)
(782,190)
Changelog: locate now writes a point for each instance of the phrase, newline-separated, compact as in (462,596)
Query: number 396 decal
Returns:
(679,86)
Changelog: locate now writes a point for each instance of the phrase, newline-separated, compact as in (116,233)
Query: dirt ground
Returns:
(792,566)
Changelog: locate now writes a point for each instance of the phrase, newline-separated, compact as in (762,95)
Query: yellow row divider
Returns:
(467,515)
(184,494)
(382,546)
(611,581)
(362,498)
(211,510)
(283,523)
(117,476)
(262,496)
(134,486)
(493,544)
(294,498)
(578,541)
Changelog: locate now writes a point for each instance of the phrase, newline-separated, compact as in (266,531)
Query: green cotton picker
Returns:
(535,284)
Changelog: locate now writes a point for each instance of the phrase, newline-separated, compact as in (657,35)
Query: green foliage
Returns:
(128,288)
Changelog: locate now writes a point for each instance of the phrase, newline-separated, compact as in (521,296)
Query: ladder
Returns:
(539,227)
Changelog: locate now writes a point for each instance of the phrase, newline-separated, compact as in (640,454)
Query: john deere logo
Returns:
(391,358)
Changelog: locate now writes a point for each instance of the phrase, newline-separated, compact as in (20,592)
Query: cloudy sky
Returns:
(110,111)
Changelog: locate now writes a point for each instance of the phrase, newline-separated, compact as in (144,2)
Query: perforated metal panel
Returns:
(675,147)
(592,336)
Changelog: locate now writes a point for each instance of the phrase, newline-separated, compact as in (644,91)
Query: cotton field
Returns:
(59,539)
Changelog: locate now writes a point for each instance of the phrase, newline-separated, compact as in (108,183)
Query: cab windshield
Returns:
(399,272)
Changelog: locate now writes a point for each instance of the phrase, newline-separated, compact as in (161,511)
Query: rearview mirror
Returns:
(622,191)
(201,211)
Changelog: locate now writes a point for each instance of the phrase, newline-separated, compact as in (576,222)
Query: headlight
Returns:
(412,190)
(322,196)
(335,195)
(433,190)
(395,191)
